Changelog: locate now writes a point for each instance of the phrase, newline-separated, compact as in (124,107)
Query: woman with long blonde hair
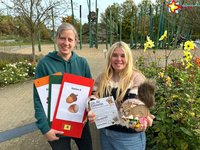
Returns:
(119,79)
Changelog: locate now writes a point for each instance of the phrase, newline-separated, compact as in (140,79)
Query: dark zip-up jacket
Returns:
(51,64)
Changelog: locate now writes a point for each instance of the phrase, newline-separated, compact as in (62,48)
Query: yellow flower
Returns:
(183,62)
(187,56)
(189,45)
(164,36)
(192,114)
(168,81)
(148,39)
(189,65)
(161,74)
(137,125)
(148,44)
(151,44)
(145,47)
(175,96)
(161,38)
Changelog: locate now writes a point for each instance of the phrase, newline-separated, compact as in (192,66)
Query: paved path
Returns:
(16,110)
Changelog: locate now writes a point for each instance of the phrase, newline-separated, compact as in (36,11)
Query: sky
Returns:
(101,4)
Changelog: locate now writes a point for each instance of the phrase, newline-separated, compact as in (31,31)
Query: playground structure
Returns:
(144,20)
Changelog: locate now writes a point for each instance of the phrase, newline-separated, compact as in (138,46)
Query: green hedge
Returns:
(177,114)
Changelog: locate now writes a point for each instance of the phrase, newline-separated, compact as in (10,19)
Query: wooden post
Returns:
(106,33)
(131,34)
(90,26)
(96,44)
(120,29)
(136,29)
(111,33)
(116,24)
(140,25)
(150,22)
(161,24)
(159,28)
(156,29)
(80,36)
(73,22)
(144,27)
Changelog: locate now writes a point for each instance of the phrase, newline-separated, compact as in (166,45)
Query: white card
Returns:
(106,112)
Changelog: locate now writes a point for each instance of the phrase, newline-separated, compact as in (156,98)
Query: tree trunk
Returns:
(33,47)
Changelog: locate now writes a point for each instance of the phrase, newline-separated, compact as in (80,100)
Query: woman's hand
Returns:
(90,98)
(91,117)
(51,135)
(144,123)
(142,127)
(150,120)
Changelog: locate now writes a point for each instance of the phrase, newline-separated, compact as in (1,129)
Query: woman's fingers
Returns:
(91,116)
(150,120)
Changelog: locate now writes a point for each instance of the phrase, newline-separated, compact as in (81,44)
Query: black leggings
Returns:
(84,143)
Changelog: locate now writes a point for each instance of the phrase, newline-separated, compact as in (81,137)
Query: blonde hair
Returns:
(125,75)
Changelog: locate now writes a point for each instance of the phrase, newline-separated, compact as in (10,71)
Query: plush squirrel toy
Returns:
(134,112)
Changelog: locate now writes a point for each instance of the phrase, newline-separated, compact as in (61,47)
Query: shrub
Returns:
(16,72)
(6,58)
(177,115)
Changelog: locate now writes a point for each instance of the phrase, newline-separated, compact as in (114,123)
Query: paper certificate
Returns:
(106,112)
